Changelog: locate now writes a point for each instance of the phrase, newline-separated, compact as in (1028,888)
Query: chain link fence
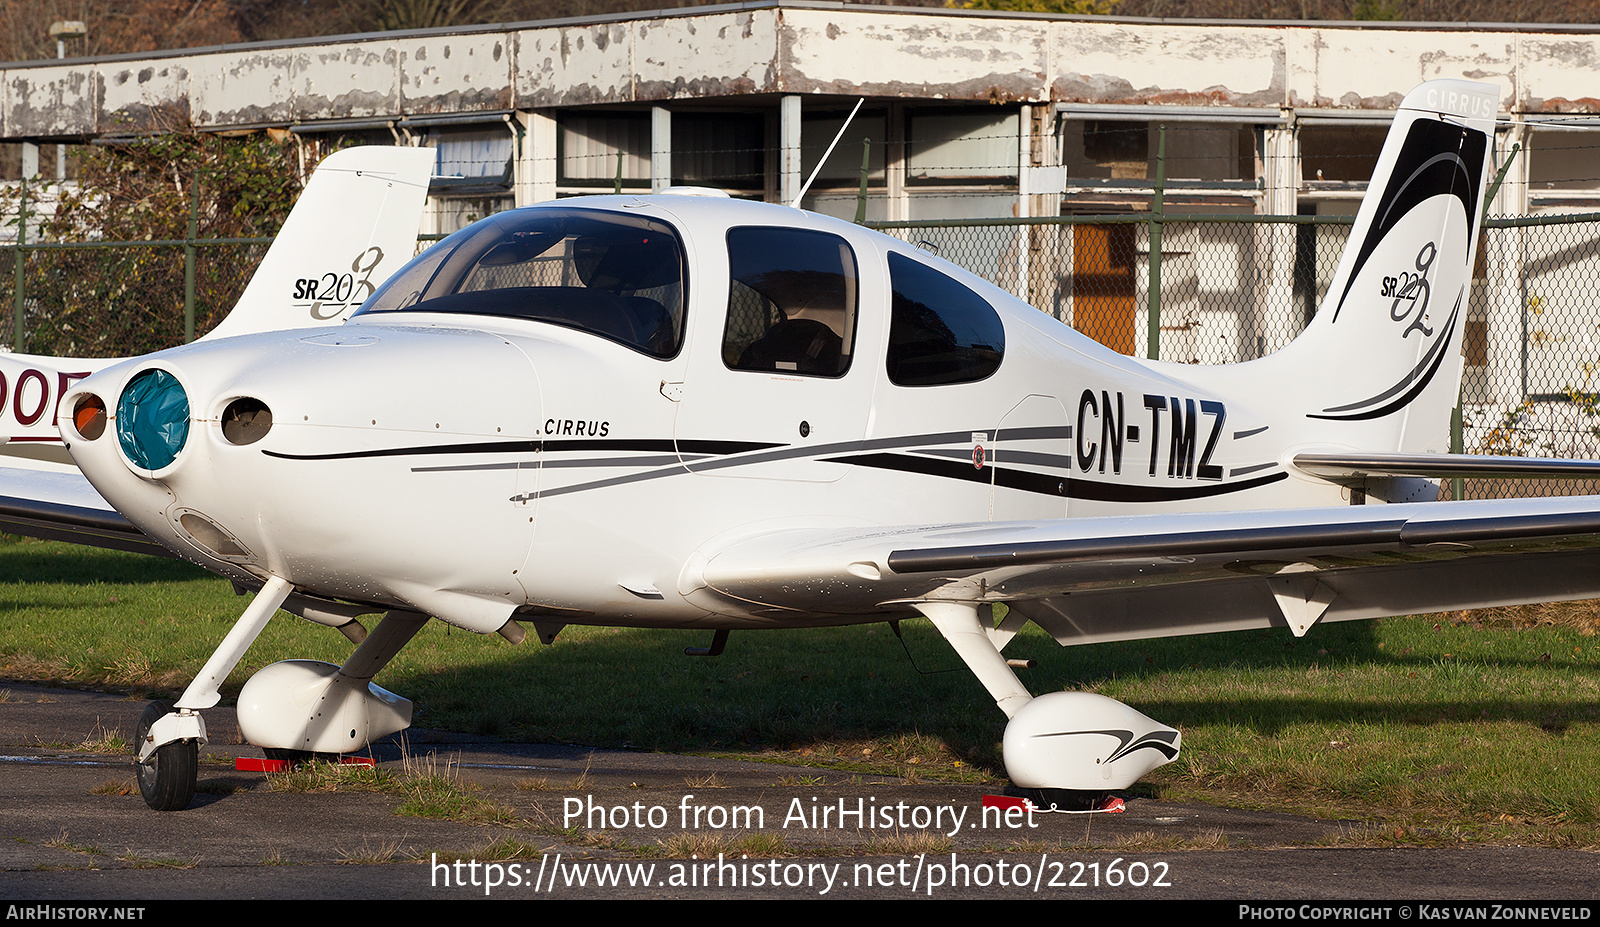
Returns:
(1223,289)
(117,299)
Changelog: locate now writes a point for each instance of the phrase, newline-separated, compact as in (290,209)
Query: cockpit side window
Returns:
(939,330)
(791,302)
(617,276)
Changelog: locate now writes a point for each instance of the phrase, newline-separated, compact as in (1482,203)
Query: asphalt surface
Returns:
(577,822)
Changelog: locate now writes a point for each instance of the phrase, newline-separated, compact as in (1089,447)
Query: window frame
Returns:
(849,339)
(892,364)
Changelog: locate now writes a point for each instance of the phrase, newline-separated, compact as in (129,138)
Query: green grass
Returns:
(1443,730)
(423,790)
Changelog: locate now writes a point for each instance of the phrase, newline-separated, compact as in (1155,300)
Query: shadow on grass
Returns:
(811,688)
(815,688)
(24,560)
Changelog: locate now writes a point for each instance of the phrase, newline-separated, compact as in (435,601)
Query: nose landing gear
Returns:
(167,777)
(167,746)
(296,708)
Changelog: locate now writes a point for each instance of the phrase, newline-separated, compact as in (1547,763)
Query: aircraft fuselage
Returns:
(469,465)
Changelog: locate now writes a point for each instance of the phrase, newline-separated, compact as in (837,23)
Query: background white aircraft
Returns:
(689,411)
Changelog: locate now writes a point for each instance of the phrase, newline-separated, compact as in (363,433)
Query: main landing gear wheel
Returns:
(167,781)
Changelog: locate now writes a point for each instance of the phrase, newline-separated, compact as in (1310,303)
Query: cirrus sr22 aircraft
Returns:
(686,411)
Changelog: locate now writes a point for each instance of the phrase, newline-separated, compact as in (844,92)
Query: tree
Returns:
(115,26)
(143,190)
(117,301)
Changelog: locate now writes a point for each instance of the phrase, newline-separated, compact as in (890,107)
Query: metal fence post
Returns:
(18,284)
(1457,485)
(1153,338)
(861,197)
(188,258)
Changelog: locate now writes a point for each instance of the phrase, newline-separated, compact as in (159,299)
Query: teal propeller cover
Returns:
(153,419)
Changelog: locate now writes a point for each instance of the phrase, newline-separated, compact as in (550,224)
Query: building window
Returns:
(722,150)
(474,157)
(1117,149)
(843,168)
(1113,149)
(1340,153)
(590,144)
(1561,166)
(963,148)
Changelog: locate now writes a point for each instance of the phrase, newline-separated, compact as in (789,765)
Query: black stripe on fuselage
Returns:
(664,445)
(1047,484)
(735,454)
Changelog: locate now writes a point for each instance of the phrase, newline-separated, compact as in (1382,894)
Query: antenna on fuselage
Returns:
(818,169)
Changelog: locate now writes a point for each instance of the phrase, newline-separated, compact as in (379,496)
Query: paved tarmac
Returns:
(575,822)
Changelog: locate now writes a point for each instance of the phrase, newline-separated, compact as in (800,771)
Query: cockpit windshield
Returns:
(616,276)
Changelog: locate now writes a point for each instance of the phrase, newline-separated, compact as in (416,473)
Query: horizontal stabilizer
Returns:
(1357,467)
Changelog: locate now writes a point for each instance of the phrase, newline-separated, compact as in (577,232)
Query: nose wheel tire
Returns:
(167,781)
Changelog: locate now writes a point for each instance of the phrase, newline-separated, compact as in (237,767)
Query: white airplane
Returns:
(686,411)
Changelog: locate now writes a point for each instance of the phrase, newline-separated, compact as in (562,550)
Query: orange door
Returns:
(1102,284)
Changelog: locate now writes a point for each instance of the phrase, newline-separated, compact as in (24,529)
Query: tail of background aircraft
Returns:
(1379,367)
(354,225)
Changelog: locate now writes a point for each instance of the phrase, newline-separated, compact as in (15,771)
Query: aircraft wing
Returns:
(1120,578)
(62,506)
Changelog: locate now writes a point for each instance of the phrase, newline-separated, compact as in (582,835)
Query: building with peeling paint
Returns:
(969,113)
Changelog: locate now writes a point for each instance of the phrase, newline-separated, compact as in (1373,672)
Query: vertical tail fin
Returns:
(354,225)
(1379,367)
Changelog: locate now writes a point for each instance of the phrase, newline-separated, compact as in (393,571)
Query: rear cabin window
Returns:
(616,276)
(939,330)
(791,302)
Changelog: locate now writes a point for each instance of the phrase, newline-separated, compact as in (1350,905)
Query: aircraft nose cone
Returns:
(153,419)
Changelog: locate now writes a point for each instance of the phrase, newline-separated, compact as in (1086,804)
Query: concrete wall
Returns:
(795,48)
